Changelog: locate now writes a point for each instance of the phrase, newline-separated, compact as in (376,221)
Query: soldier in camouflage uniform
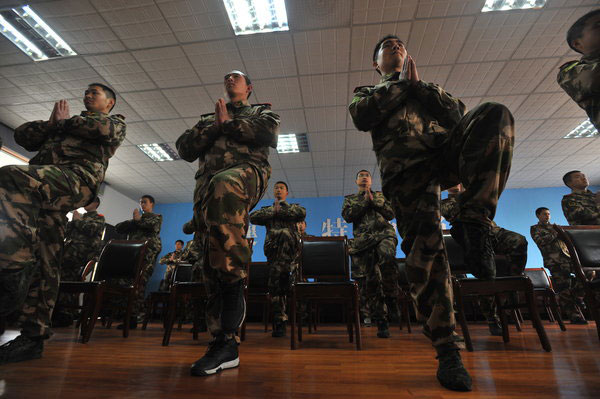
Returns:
(83,244)
(144,226)
(558,261)
(171,260)
(282,245)
(373,250)
(424,141)
(508,243)
(66,173)
(232,147)
(581,207)
(581,79)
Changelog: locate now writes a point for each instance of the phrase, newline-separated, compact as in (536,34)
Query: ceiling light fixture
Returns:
(159,152)
(256,16)
(584,131)
(28,31)
(506,5)
(287,143)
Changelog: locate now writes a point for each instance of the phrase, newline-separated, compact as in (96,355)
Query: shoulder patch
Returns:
(120,116)
(359,88)
(568,65)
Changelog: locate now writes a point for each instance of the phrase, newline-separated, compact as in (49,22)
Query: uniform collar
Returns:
(238,104)
(91,213)
(543,223)
(390,76)
(93,113)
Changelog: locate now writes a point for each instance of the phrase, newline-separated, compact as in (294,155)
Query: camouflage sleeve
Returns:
(370,106)
(446,109)
(449,208)
(383,206)
(165,259)
(577,214)
(354,208)
(542,237)
(124,227)
(262,216)
(110,129)
(294,212)
(196,141)
(149,222)
(260,130)
(69,229)
(88,227)
(32,135)
(581,81)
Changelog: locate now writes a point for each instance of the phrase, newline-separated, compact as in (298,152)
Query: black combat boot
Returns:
(383,330)
(278,329)
(477,243)
(495,328)
(451,372)
(21,348)
(222,353)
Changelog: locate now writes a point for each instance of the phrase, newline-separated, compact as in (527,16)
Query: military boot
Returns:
(383,330)
(477,243)
(21,348)
(222,353)
(278,329)
(451,372)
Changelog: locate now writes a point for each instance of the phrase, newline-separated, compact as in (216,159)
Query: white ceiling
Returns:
(167,58)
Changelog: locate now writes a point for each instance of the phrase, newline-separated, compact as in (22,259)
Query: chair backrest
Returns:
(258,278)
(402,276)
(456,258)
(538,277)
(583,243)
(121,259)
(183,273)
(325,259)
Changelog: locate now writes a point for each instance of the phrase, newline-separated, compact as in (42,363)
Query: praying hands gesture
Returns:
(411,71)
(369,196)
(221,114)
(136,214)
(60,112)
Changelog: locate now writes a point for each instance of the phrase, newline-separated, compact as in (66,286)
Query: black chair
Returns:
(258,289)
(405,300)
(325,259)
(502,284)
(183,273)
(583,243)
(120,259)
(542,287)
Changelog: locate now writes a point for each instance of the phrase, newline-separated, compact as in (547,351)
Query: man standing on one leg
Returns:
(508,243)
(232,146)
(66,173)
(373,250)
(282,245)
(558,261)
(144,226)
(423,141)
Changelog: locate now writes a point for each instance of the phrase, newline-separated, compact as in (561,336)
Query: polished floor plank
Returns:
(325,366)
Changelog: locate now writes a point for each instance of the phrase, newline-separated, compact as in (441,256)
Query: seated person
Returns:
(171,260)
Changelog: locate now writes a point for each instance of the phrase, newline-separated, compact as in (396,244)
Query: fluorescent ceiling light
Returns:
(159,152)
(287,143)
(256,16)
(32,35)
(583,131)
(505,5)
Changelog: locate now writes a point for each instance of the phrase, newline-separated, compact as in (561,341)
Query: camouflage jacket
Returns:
(554,251)
(84,143)
(581,208)
(283,238)
(147,228)
(245,138)
(86,233)
(450,208)
(191,252)
(581,80)
(406,122)
(370,220)
(167,258)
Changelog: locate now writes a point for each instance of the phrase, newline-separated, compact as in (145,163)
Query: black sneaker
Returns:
(477,243)
(21,348)
(495,328)
(383,329)
(278,329)
(451,372)
(222,353)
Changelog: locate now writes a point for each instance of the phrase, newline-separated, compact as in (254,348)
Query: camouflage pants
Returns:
(514,246)
(33,203)
(381,276)
(477,154)
(567,287)
(221,209)
(148,268)
(73,261)
(280,282)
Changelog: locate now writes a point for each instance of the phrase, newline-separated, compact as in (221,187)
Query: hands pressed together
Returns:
(136,214)
(221,114)
(60,112)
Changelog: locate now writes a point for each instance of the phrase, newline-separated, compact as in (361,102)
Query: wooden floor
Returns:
(325,366)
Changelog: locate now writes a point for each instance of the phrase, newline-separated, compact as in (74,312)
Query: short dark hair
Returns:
(540,210)
(246,78)
(380,42)
(150,198)
(181,241)
(362,170)
(96,199)
(284,183)
(576,30)
(567,177)
(110,93)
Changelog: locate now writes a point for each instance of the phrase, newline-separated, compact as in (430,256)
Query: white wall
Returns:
(115,206)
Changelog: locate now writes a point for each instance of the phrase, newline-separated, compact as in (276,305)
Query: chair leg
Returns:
(535,319)
(170,316)
(406,311)
(265,317)
(515,316)
(149,311)
(130,300)
(293,320)
(555,309)
(350,320)
(97,302)
(503,320)
(461,317)
(356,314)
